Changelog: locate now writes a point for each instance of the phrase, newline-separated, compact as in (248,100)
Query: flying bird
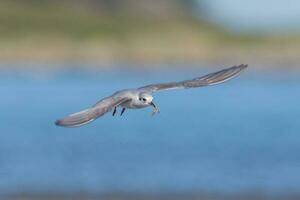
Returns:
(142,97)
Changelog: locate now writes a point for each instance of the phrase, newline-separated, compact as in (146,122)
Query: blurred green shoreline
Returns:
(54,31)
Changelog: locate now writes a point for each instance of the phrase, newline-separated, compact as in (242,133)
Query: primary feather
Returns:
(89,115)
(210,79)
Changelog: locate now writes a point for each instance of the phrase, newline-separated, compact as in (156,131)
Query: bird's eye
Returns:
(144,99)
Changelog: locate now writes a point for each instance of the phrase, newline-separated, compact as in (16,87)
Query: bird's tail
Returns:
(77,119)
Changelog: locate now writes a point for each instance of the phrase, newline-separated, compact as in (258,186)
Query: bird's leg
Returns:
(123,110)
(155,109)
(114,112)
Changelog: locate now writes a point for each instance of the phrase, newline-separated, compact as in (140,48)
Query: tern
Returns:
(142,97)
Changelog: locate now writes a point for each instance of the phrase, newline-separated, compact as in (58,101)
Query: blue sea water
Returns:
(243,135)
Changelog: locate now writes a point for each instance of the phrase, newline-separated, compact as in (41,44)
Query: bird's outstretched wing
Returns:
(210,79)
(89,115)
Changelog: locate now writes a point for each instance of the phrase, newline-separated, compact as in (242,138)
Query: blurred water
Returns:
(235,137)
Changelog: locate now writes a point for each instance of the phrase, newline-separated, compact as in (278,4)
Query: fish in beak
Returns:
(155,110)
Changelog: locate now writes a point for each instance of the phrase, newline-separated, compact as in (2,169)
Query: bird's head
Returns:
(145,98)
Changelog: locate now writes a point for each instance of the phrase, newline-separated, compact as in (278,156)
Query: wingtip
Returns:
(243,66)
(62,124)
(58,123)
(240,67)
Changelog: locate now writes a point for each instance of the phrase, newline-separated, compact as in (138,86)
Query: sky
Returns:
(255,15)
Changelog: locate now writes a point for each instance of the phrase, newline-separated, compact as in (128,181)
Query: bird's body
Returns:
(142,97)
(132,94)
(134,102)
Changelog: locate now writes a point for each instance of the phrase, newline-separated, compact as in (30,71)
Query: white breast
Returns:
(135,103)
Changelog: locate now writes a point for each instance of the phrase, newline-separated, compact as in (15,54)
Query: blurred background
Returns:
(237,140)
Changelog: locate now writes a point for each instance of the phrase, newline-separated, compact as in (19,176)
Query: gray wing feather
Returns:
(89,115)
(210,79)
